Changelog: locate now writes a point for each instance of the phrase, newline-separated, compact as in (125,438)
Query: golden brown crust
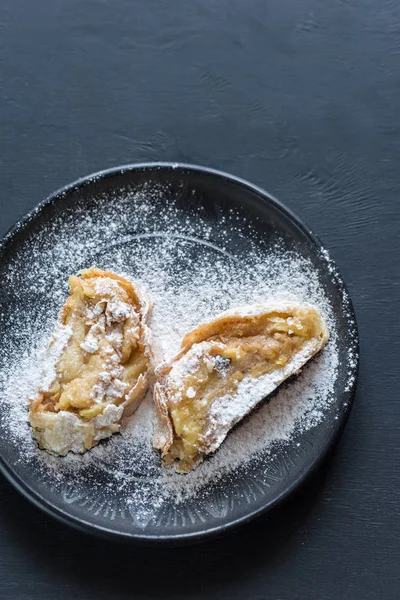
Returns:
(164,431)
(239,317)
(132,288)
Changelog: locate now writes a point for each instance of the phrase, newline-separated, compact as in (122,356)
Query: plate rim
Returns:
(184,538)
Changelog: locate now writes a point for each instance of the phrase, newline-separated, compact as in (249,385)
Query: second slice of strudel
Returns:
(224,369)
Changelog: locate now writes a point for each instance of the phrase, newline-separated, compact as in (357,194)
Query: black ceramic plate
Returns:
(214,193)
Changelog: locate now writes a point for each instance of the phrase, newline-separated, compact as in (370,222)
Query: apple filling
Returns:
(99,351)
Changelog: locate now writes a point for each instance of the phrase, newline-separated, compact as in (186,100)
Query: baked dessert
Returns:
(224,369)
(98,363)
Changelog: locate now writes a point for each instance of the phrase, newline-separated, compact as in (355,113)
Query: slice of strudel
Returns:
(98,363)
(224,369)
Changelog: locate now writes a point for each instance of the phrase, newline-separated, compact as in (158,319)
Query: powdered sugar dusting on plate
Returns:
(192,270)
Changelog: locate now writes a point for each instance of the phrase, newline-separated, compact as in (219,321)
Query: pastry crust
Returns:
(225,367)
(98,363)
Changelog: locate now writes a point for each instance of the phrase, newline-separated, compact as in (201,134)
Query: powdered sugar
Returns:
(227,410)
(59,340)
(192,269)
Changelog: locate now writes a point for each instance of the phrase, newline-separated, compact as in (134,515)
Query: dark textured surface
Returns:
(301,98)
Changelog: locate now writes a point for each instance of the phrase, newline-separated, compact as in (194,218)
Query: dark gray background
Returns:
(302,98)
